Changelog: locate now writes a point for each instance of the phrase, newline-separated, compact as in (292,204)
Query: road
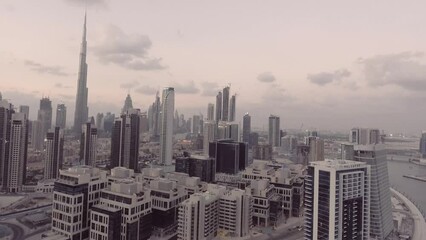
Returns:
(18,232)
(292,235)
(25,212)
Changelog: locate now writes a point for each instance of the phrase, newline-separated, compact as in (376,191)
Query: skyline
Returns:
(331,76)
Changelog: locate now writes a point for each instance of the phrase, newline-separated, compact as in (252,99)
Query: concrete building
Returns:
(61,116)
(198,217)
(316,148)
(203,167)
(44,115)
(263,194)
(75,192)
(166,136)
(125,141)
(88,144)
(289,144)
(166,196)
(219,106)
(236,212)
(210,112)
(54,156)
(274,131)
(337,200)
(262,152)
(232,108)
(365,136)
(105,222)
(246,128)
(24,109)
(14,144)
(209,135)
(134,205)
(225,104)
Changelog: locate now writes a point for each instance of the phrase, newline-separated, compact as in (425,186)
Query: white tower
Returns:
(166,136)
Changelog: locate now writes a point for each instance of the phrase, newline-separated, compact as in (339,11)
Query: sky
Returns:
(325,65)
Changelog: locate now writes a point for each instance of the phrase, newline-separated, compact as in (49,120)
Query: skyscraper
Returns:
(210,111)
(15,160)
(368,148)
(6,111)
(225,104)
(337,200)
(125,141)
(128,104)
(196,128)
(81,109)
(274,131)
(246,127)
(232,108)
(155,116)
(209,134)
(219,106)
(316,148)
(37,137)
(61,116)
(166,136)
(25,109)
(54,153)
(45,115)
(100,121)
(88,144)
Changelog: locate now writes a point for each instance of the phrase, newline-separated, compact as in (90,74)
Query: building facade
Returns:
(54,157)
(166,136)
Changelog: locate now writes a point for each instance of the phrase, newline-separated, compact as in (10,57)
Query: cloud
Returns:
(40,68)
(266,77)
(405,70)
(325,78)
(60,85)
(185,88)
(127,51)
(209,88)
(146,90)
(101,4)
(129,85)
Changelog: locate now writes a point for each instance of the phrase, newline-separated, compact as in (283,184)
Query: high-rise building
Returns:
(15,157)
(25,109)
(197,166)
(337,200)
(81,114)
(289,144)
(196,127)
(209,134)
(316,148)
(225,104)
(37,138)
(219,106)
(228,130)
(108,122)
(210,111)
(166,136)
(254,139)
(262,152)
(246,128)
(274,131)
(45,115)
(100,121)
(230,156)
(75,192)
(88,144)
(144,127)
(232,108)
(422,147)
(365,136)
(6,111)
(135,215)
(54,156)
(198,217)
(128,104)
(155,116)
(61,116)
(368,148)
(125,141)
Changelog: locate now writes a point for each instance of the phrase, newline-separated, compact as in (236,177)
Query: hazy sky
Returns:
(326,64)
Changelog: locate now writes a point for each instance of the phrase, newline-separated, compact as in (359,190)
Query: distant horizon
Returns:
(328,66)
